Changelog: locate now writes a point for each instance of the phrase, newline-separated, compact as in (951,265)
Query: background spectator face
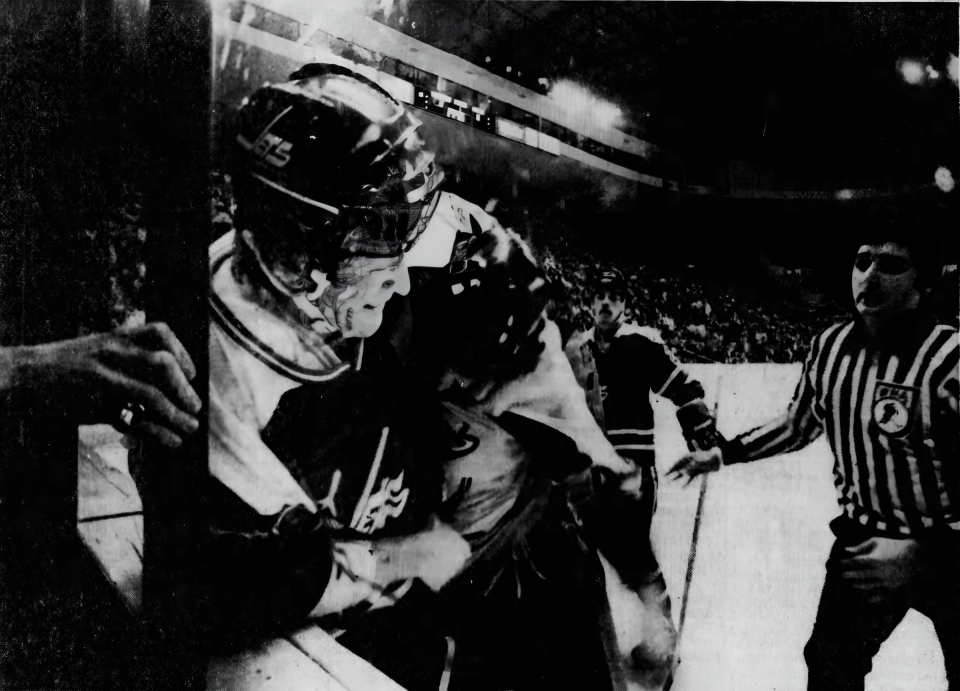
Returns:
(607,308)
(883,280)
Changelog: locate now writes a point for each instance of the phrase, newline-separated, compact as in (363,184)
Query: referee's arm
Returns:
(791,431)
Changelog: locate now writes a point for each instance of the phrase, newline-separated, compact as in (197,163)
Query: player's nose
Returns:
(401,279)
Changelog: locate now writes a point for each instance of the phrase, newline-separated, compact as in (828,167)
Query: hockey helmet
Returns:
(328,166)
(482,314)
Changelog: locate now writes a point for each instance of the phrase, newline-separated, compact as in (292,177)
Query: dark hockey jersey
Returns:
(636,364)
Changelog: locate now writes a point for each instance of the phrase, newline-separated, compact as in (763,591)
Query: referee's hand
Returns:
(134,378)
(696,463)
(879,564)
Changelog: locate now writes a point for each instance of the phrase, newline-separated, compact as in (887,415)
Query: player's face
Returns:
(359,308)
(883,281)
(607,308)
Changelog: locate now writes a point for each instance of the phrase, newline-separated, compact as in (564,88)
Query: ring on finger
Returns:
(129,413)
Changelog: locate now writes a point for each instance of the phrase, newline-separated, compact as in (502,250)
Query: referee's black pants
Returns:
(849,630)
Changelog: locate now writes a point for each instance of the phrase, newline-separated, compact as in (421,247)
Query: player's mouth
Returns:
(870,300)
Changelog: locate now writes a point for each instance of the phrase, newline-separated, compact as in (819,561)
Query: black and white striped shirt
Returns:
(889,408)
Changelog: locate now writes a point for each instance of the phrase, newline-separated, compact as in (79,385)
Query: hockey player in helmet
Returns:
(531,608)
(333,184)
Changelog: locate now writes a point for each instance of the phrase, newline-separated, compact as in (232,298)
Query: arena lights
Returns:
(944,179)
(915,72)
(911,70)
(583,106)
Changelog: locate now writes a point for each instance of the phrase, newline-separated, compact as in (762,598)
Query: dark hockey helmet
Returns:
(328,166)
(483,313)
(610,280)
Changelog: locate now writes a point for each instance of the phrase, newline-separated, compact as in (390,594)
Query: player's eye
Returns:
(863,262)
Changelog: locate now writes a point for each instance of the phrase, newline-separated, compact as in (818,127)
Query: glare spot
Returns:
(912,71)
(583,108)
(953,69)
(509,69)
(944,179)
(845,194)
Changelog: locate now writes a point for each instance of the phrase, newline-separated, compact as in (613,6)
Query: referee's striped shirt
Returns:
(889,408)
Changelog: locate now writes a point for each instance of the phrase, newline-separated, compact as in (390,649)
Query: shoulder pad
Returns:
(648,332)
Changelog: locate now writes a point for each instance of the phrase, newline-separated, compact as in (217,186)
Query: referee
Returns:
(884,389)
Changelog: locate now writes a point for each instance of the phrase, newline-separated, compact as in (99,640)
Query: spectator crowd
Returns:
(698,327)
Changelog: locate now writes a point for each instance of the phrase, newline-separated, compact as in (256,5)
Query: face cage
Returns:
(405,224)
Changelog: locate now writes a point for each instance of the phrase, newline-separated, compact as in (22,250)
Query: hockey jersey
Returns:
(315,448)
(618,384)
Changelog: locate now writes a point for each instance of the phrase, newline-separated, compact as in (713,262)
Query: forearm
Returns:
(363,571)
(15,365)
(698,425)
(258,583)
(780,436)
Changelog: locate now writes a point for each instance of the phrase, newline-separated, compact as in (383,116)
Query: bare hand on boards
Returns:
(134,378)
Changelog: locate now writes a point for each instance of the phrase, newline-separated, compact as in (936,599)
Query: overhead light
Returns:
(911,70)
(944,179)
(583,108)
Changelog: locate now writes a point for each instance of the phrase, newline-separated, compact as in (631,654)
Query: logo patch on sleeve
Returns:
(893,408)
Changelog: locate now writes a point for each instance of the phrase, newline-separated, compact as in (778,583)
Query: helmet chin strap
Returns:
(321,320)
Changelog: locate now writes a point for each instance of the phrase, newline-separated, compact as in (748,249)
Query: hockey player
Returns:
(884,389)
(333,184)
(619,364)
(525,449)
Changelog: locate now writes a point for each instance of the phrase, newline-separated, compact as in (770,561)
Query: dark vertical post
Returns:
(177,206)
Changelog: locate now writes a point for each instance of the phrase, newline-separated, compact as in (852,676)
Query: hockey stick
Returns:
(696,533)
(693,556)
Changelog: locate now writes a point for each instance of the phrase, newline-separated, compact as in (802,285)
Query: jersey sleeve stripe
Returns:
(264,355)
(673,375)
